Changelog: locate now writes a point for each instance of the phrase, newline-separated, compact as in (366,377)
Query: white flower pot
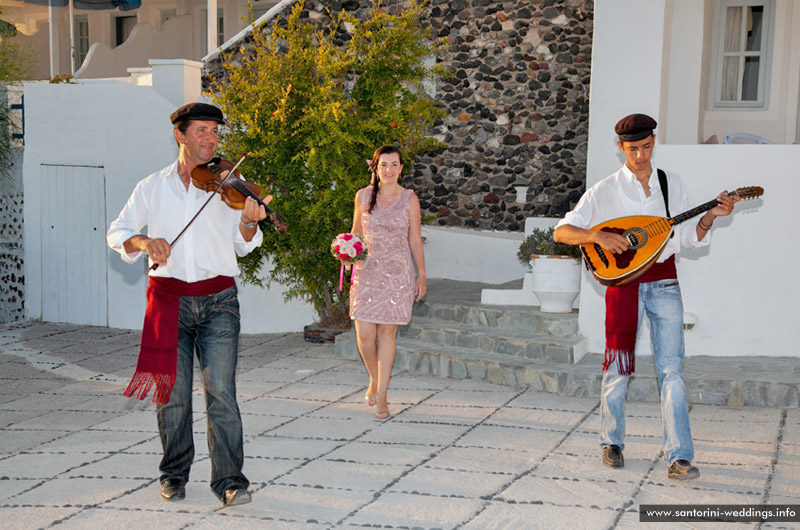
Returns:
(556,282)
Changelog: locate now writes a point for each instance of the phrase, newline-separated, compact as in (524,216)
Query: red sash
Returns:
(622,316)
(158,352)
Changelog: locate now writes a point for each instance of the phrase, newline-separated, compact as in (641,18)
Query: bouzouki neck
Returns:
(749,192)
(697,210)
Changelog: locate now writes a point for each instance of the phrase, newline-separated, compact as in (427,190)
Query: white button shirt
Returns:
(620,195)
(207,249)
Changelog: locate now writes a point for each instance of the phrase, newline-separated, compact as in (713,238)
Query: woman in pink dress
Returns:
(387,217)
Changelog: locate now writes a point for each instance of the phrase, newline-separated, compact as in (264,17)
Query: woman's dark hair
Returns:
(376,184)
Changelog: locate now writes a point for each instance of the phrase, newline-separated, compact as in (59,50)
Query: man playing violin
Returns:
(192,305)
(638,189)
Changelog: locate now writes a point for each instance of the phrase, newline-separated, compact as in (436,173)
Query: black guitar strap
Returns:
(662,180)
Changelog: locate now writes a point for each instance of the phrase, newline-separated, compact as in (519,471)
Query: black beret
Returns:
(197,111)
(635,127)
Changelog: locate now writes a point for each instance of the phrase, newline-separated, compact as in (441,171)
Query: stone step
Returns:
(510,318)
(709,380)
(502,369)
(487,339)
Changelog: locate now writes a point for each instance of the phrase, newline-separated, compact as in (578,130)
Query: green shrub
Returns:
(309,113)
(541,242)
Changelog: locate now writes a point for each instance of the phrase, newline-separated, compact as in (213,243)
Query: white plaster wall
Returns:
(741,288)
(685,96)
(472,255)
(99,125)
(126,130)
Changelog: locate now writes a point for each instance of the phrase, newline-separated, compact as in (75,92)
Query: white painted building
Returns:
(108,42)
(655,56)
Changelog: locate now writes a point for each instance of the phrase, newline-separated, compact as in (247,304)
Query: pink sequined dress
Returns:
(383,285)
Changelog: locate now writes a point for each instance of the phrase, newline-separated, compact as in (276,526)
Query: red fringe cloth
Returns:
(158,351)
(622,317)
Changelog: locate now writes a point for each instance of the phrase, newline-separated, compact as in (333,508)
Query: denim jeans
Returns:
(208,328)
(661,302)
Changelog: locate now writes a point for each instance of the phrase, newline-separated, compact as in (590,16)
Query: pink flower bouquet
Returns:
(348,248)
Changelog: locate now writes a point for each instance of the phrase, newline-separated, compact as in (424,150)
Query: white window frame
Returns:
(203,27)
(764,54)
(81,20)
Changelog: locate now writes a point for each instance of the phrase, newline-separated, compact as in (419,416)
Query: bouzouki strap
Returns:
(662,180)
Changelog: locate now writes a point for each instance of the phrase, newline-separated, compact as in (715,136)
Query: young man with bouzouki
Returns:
(637,189)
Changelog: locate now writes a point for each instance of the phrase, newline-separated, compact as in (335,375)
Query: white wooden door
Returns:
(74,264)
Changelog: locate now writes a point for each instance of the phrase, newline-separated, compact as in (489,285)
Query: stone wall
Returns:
(517,108)
(12,280)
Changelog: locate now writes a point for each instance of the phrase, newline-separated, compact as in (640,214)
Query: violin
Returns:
(213,177)
(220,176)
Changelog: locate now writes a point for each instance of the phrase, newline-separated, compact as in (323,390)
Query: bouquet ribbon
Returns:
(341,274)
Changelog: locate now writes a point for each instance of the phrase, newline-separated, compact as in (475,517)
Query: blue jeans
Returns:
(209,328)
(661,301)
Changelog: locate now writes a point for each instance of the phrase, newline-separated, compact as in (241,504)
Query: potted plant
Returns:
(556,269)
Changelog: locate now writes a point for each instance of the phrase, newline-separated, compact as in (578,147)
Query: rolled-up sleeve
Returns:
(243,247)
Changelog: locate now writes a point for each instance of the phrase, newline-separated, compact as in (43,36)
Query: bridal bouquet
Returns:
(348,248)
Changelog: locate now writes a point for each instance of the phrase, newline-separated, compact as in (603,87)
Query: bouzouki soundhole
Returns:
(636,237)
(623,259)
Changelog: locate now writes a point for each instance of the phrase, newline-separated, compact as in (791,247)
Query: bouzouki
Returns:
(647,236)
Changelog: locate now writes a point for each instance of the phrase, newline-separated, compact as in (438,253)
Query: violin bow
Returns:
(154,266)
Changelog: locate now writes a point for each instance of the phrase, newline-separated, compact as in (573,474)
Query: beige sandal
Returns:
(383,407)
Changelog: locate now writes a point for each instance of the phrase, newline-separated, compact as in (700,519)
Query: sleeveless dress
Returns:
(383,285)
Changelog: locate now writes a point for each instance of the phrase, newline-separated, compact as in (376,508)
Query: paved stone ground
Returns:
(75,454)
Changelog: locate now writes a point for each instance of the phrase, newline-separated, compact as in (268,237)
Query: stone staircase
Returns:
(453,335)
(507,345)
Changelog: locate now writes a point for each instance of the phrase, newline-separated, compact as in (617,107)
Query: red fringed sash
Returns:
(158,352)
(622,316)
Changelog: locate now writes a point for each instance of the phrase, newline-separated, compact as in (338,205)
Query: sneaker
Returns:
(683,470)
(236,496)
(612,456)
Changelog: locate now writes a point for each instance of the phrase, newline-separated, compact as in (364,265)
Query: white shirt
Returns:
(620,195)
(162,203)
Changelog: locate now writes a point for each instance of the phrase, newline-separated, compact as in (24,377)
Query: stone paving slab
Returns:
(456,454)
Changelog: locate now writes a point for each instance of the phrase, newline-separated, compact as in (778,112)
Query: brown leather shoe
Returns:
(682,470)
(612,456)
(173,489)
(236,496)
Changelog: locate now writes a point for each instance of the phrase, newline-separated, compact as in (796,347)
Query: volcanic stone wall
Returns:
(517,107)
(12,280)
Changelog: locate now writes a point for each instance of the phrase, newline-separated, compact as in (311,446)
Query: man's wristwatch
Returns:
(248,225)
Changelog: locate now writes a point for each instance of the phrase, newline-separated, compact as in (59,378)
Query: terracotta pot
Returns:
(319,334)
